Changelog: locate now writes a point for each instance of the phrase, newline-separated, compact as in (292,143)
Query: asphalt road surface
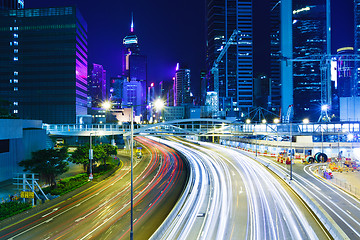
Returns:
(103,210)
(234,197)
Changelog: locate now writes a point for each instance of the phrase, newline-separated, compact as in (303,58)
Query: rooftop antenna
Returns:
(132,22)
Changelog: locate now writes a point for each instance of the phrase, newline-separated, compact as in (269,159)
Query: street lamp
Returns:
(91,154)
(276,121)
(131,165)
(106,105)
(291,158)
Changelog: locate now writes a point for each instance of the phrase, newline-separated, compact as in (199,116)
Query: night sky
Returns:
(174,31)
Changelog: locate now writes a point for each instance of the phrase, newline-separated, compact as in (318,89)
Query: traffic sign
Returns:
(26,194)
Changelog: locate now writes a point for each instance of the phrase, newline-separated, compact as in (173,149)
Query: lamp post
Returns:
(276,121)
(291,162)
(132,159)
(131,165)
(91,158)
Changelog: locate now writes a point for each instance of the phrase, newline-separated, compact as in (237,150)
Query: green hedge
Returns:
(71,183)
(9,209)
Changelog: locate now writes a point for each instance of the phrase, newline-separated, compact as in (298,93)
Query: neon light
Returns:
(301,10)
(345,49)
(177,67)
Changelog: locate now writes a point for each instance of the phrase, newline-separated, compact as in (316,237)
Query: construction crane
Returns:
(288,117)
(215,69)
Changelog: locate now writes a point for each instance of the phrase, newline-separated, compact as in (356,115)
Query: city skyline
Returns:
(177,40)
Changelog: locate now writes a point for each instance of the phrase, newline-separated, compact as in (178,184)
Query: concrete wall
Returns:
(25,136)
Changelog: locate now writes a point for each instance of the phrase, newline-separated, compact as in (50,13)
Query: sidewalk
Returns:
(348,181)
(7,188)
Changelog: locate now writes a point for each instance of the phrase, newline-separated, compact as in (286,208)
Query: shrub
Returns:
(9,209)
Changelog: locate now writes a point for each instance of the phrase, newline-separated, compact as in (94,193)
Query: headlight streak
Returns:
(272,214)
(280,199)
(336,209)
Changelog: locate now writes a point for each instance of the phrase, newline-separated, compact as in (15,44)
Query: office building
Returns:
(275,53)
(182,85)
(11,4)
(134,95)
(116,90)
(135,68)
(236,67)
(18,139)
(97,84)
(43,64)
(298,31)
(356,89)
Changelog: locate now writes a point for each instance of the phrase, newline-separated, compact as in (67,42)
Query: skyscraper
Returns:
(236,67)
(43,64)
(298,31)
(97,84)
(309,39)
(11,4)
(135,69)
(356,83)
(182,85)
(275,53)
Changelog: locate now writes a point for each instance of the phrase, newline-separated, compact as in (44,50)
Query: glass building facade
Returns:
(236,67)
(275,53)
(308,40)
(43,66)
(356,89)
(182,86)
(135,70)
(97,84)
(11,4)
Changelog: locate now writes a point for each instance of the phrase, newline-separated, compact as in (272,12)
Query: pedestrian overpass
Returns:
(203,127)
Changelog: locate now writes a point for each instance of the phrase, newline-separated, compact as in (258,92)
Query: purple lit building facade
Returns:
(97,84)
(43,68)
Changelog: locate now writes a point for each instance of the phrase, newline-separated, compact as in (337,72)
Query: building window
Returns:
(16,35)
(15,111)
(16,103)
(4,145)
(16,50)
(16,81)
(16,59)
(16,28)
(16,89)
(10,43)
(16,43)
(16,73)
(11,29)
(10,80)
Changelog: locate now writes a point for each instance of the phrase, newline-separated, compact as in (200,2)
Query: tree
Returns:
(81,156)
(49,163)
(109,150)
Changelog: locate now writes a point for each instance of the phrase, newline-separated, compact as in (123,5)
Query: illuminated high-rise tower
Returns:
(43,63)
(356,83)
(236,67)
(134,69)
(11,4)
(298,31)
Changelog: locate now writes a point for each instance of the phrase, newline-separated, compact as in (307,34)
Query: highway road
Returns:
(342,209)
(102,211)
(231,196)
